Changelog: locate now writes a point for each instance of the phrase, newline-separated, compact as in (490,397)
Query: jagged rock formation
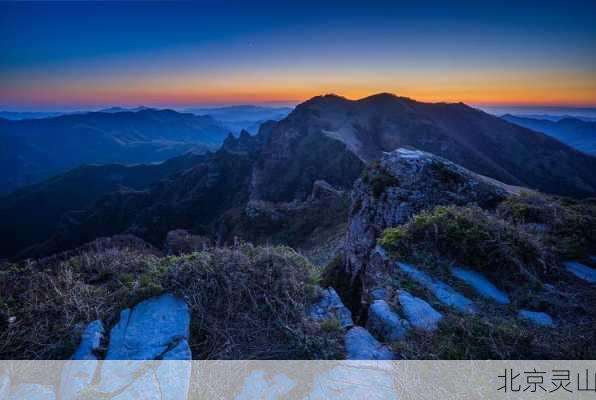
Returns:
(402,184)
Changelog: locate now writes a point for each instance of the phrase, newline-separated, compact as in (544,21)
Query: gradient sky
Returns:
(56,56)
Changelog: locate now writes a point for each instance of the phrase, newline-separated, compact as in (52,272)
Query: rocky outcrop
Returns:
(402,184)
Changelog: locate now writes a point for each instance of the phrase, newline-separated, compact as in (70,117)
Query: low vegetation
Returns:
(473,237)
(246,302)
(520,246)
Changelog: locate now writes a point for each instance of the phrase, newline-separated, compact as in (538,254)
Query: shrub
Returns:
(472,237)
(246,302)
(249,303)
(567,226)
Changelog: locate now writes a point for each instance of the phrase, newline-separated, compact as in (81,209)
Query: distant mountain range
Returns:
(572,131)
(252,184)
(247,117)
(17,115)
(34,149)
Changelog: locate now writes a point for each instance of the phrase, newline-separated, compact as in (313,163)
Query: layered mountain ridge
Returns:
(327,139)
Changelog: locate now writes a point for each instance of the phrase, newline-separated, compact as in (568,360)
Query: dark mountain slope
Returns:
(271,176)
(30,214)
(31,150)
(575,132)
(190,199)
(472,138)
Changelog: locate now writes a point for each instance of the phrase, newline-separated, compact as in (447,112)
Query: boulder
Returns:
(420,314)
(405,182)
(384,323)
(361,345)
(150,330)
(331,306)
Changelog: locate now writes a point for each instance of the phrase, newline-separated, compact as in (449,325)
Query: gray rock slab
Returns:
(481,284)
(361,345)
(537,318)
(581,271)
(384,323)
(443,292)
(420,314)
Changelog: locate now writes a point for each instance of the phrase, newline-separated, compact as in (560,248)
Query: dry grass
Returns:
(246,303)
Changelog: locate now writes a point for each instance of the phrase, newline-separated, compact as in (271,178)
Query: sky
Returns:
(77,55)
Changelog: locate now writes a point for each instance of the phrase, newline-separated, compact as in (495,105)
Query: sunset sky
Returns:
(80,55)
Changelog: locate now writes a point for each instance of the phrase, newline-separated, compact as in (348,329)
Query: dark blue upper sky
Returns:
(57,55)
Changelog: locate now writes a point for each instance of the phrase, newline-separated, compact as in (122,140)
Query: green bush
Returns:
(472,237)
(568,226)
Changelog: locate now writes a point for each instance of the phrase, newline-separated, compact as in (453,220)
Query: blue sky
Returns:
(73,55)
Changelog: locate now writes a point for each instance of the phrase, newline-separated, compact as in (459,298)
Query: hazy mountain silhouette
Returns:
(31,150)
(247,117)
(575,132)
(331,139)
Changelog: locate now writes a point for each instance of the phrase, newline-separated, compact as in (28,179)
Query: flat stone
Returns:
(420,314)
(150,329)
(384,323)
(581,271)
(482,285)
(443,292)
(33,391)
(90,341)
(331,306)
(538,318)
(361,345)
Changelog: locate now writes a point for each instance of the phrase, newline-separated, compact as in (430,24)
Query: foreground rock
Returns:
(361,345)
(331,306)
(405,182)
(482,285)
(537,318)
(420,314)
(150,330)
(90,342)
(155,329)
(443,292)
(384,323)
(581,271)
